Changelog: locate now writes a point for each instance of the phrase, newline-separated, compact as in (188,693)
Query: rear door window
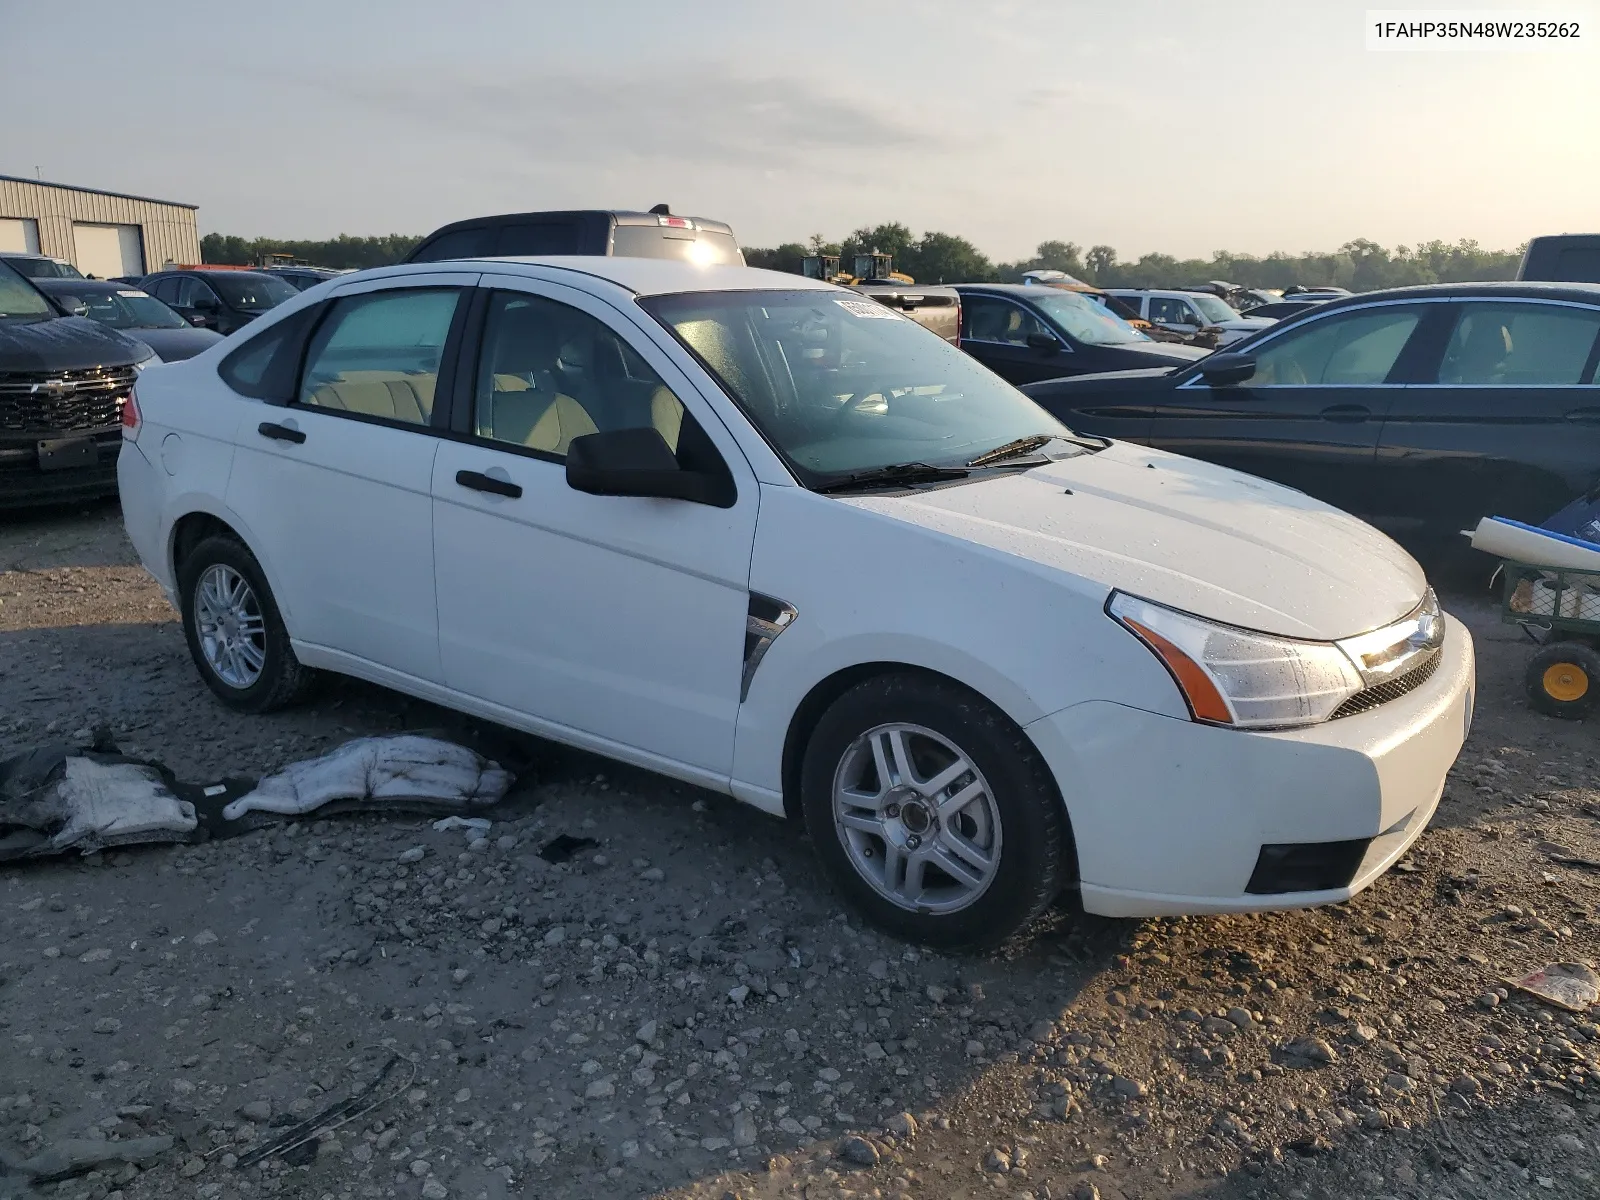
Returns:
(1521,345)
(379,354)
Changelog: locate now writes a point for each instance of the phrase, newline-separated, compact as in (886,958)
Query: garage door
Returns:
(19,235)
(107,251)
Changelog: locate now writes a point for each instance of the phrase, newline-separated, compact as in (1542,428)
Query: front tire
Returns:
(236,637)
(933,813)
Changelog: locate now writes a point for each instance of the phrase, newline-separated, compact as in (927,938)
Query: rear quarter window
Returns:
(267,366)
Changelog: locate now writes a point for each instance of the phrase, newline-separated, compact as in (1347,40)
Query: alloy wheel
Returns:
(916,818)
(233,631)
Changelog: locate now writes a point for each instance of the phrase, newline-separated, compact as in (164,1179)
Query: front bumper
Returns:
(24,484)
(1170,816)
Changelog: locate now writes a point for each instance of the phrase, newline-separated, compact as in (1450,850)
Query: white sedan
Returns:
(770,537)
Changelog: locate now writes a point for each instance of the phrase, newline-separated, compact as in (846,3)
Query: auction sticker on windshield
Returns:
(868,308)
(132,295)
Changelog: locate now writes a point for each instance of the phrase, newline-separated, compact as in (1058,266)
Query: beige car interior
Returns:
(551,374)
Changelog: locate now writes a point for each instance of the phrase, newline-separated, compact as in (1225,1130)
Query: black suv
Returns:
(63,382)
(654,234)
(219,298)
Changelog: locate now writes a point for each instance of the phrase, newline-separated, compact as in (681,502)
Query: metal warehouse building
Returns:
(104,234)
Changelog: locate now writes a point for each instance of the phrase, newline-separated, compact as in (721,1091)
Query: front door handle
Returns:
(280,433)
(1349,414)
(479,482)
(1584,416)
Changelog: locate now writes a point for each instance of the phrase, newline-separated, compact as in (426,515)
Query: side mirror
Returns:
(205,304)
(1224,370)
(1044,341)
(200,319)
(74,306)
(633,462)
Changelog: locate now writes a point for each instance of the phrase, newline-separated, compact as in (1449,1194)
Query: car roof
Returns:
(1532,290)
(641,276)
(1022,289)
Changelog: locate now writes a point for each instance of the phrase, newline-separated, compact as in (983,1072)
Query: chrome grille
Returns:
(1391,690)
(55,401)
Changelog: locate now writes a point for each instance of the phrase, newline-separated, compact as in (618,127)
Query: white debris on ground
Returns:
(93,803)
(406,768)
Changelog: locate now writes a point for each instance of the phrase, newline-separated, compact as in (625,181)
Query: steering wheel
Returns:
(873,387)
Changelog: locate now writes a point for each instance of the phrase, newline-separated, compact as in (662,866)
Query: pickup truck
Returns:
(937,308)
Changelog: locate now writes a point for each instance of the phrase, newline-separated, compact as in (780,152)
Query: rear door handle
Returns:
(479,482)
(281,433)
(1585,416)
(1349,414)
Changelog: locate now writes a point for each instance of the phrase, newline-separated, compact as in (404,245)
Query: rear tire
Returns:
(1563,680)
(933,813)
(236,636)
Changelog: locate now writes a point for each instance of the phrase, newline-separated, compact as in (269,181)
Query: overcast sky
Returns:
(1174,125)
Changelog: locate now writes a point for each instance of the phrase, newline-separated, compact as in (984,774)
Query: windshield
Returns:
(251,291)
(1213,309)
(19,298)
(125,308)
(840,385)
(1083,320)
(45,268)
(651,241)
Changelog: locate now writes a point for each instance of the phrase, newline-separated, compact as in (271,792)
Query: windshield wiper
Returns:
(1021,446)
(893,475)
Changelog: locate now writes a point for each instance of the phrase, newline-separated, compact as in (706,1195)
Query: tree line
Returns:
(933,257)
(1360,265)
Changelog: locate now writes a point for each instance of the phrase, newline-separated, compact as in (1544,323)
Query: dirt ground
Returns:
(681,1009)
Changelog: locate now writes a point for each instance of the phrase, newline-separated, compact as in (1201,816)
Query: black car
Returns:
(1419,409)
(1025,334)
(301,278)
(40,266)
(221,299)
(1277,310)
(654,234)
(63,381)
(134,312)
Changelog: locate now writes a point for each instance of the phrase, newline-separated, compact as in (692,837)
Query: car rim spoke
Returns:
(911,889)
(945,778)
(921,849)
(950,806)
(862,824)
(951,865)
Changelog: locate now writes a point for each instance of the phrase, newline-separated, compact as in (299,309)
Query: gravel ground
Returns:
(680,1009)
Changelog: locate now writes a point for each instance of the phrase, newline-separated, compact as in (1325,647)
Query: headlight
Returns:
(1237,677)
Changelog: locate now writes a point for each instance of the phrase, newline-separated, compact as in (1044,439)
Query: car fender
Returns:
(1028,639)
(193,503)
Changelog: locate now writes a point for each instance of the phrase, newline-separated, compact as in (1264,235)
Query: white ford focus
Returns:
(767,536)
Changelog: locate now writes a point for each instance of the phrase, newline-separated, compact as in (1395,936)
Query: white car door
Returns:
(336,484)
(614,622)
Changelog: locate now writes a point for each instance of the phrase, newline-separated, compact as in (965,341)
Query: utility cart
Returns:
(1558,608)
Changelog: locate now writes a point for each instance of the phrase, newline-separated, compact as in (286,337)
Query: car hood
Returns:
(175,345)
(1246,324)
(1143,378)
(1188,534)
(64,344)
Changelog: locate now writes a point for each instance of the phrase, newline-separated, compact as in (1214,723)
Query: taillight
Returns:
(130,416)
